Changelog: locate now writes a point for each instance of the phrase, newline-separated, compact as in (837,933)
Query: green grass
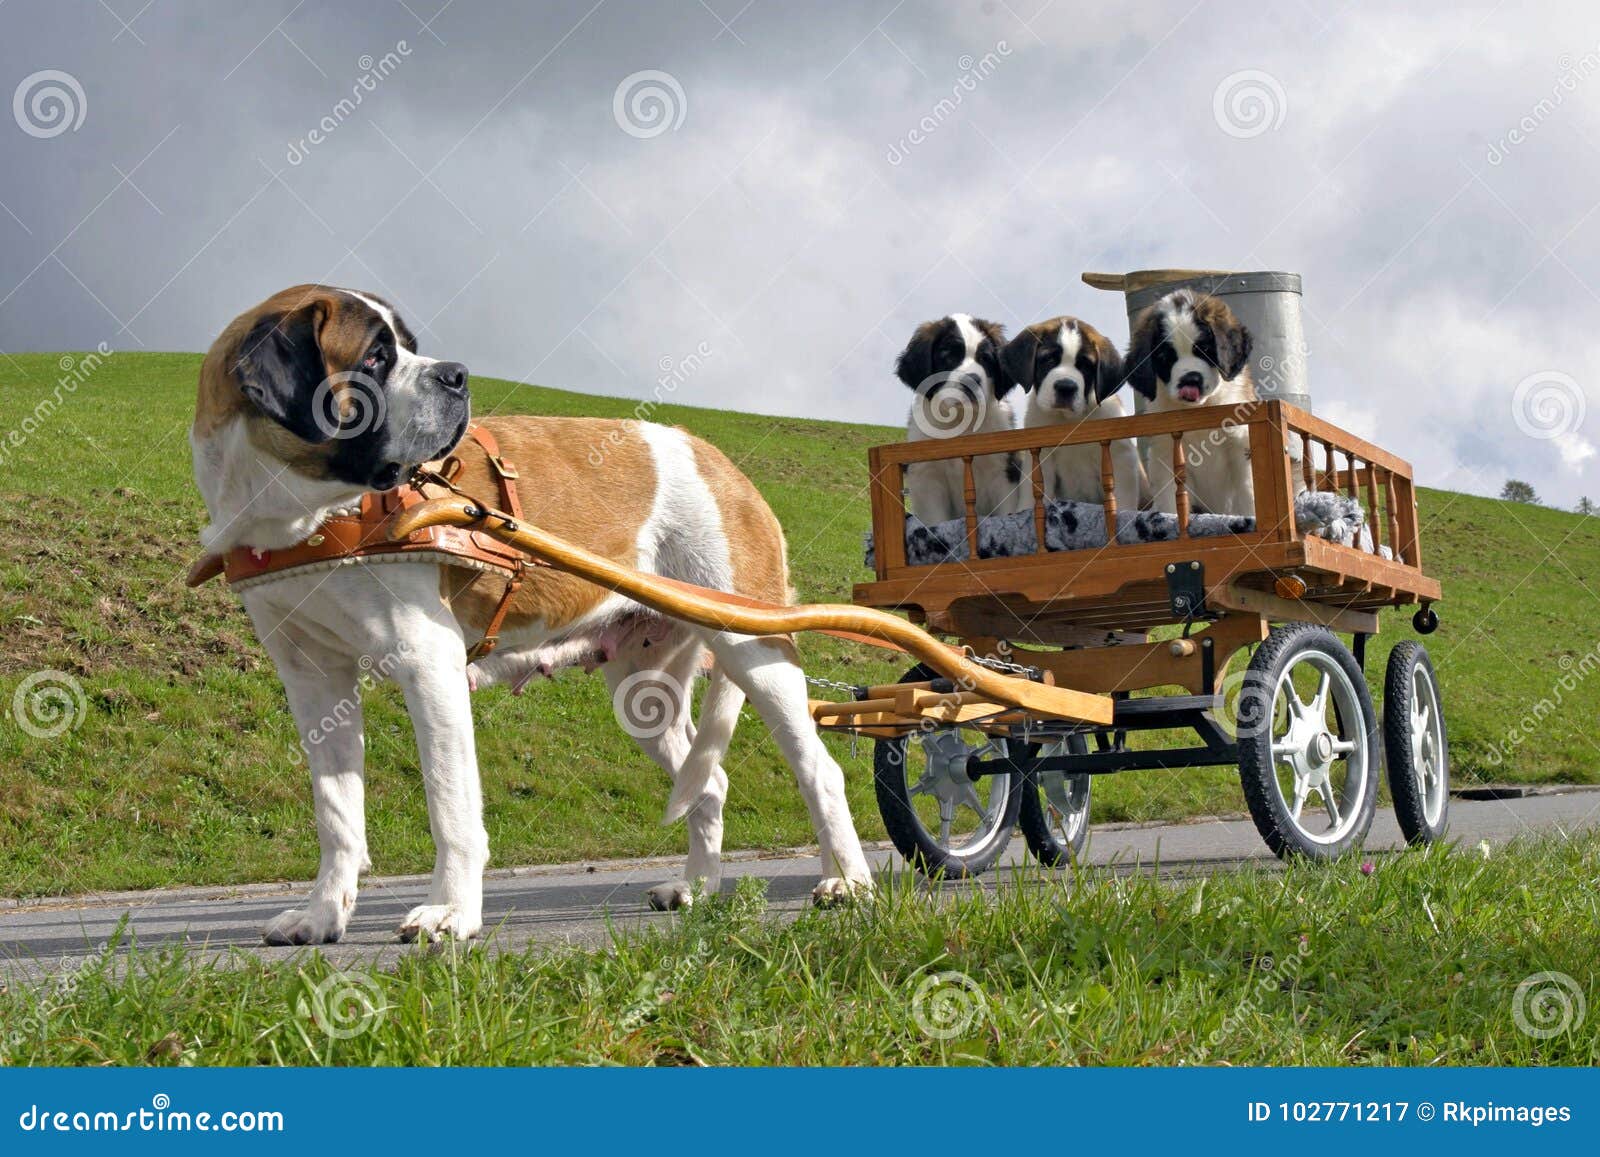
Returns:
(179,768)
(1418,963)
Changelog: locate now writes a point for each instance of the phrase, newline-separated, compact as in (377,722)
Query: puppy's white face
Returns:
(953,365)
(1185,347)
(1062,387)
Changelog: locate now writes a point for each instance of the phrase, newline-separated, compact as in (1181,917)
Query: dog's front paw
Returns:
(671,896)
(313,924)
(836,890)
(435,921)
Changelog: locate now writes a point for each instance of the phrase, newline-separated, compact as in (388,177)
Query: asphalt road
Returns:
(582,902)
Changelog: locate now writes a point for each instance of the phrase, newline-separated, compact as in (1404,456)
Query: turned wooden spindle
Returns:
(1180,484)
(1039,521)
(1370,476)
(1108,484)
(1394,517)
(1308,470)
(970,494)
(1330,470)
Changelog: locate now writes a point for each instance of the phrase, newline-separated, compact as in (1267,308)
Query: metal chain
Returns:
(1000,664)
(833,684)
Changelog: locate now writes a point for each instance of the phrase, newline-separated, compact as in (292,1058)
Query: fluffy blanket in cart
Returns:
(1082,526)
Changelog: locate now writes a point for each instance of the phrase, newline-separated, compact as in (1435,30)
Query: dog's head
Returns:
(1067,364)
(329,381)
(1185,346)
(954,361)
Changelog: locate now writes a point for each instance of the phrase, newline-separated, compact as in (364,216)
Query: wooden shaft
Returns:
(970,496)
(1039,520)
(1180,482)
(1329,468)
(1108,484)
(705,608)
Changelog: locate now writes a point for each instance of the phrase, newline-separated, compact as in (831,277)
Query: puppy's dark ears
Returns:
(1233,346)
(1108,372)
(1016,358)
(1138,369)
(915,363)
(279,367)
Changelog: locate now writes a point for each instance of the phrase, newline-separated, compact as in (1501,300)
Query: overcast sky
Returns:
(543,213)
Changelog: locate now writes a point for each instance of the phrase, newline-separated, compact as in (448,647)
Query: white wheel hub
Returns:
(945,779)
(1311,751)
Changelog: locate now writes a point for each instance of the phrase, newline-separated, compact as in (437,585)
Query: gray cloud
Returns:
(1431,175)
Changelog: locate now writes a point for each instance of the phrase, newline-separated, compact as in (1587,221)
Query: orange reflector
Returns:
(1290,586)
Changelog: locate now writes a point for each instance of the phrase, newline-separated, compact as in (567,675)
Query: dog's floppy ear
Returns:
(915,363)
(279,367)
(1138,369)
(1108,367)
(999,380)
(1233,345)
(1016,358)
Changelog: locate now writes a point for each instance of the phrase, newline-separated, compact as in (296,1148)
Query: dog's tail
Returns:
(719,715)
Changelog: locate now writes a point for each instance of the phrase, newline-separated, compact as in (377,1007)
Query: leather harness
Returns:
(343,539)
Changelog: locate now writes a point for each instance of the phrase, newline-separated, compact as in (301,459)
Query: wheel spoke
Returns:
(967,796)
(1319,702)
(1301,789)
(1330,801)
(1282,751)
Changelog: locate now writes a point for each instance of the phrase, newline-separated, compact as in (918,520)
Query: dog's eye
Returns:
(375,359)
(1049,357)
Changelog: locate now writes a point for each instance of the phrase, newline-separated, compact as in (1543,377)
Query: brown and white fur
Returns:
(1190,350)
(276,449)
(1071,374)
(953,365)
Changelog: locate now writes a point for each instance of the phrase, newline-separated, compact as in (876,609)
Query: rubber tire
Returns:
(1258,775)
(899,818)
(1034,818)
(1408,809)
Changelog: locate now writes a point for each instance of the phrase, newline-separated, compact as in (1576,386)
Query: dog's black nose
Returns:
(452,376)
(1191,379)
(1065,391)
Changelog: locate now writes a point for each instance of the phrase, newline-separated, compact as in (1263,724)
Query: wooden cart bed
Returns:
(1081,597)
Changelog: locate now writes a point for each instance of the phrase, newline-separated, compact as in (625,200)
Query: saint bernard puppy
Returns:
(1190,350)
(1071,374)
(953,366)
(318,395)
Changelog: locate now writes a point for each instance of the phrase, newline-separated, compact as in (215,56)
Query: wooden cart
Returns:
(1298,719)
(1027,667)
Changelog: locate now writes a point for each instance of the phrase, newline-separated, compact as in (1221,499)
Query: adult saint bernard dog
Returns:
(318,395)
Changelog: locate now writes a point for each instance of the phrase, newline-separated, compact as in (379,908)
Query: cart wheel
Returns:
(1414,741)
(1307,729)
(944,822)
(1055,809)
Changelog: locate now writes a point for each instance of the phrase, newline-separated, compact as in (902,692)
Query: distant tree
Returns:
(1517,491)
(1585,505)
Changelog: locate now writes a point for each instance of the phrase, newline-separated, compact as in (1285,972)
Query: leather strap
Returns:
(506,476)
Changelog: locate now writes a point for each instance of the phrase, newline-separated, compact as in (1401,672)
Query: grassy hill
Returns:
(179,765)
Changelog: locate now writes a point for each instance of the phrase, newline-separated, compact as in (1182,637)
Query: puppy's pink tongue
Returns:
(1189,393)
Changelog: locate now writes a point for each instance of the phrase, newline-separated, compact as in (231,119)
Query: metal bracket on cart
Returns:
(1186,591)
